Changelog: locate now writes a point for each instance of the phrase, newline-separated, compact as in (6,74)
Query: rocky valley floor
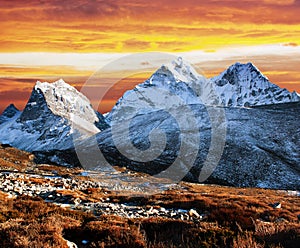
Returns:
(51,206)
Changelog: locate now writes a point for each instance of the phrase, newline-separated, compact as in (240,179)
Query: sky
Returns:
(48,40)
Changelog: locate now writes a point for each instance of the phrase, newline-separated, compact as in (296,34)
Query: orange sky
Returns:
(224,31)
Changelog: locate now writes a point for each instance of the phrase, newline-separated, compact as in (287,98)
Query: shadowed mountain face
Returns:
(259,150)
(179,125)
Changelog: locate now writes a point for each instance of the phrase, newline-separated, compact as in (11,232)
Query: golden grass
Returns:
(234,217)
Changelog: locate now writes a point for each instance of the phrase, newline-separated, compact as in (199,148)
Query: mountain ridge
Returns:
(244,85)
(240,85)
(52,116)
(254,153)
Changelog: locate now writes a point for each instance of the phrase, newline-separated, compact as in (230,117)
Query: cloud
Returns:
(134,44)
(114,26)
(279,2)
(292,44)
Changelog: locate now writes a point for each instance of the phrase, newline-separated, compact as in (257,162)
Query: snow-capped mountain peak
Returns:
(183,71)
(52,114)
(65,101)
(177,70)
(241,71)
(238,86)
(244,85)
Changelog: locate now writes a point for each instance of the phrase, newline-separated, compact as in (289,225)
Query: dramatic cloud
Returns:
(48,40)
(280,2)
(126,26)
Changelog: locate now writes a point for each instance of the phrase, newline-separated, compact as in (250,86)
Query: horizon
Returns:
(73,39)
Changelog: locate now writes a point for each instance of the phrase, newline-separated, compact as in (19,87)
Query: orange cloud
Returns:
(293,44)
(137,25)
(280,2)
(122,26)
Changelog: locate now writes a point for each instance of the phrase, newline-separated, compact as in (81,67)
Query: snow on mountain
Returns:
(172,85)
(10,112)
(245,85)
(241,85)
(53,113)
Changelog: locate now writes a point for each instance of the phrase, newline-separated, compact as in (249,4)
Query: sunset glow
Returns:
(48,40)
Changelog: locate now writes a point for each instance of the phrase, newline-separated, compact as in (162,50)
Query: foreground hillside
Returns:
(50,206)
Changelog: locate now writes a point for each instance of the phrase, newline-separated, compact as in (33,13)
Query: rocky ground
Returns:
(45,205)
(73,193)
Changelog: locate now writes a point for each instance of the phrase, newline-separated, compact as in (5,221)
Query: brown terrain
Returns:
(51,206)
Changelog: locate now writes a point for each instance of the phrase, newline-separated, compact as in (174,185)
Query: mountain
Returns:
(245,85)
(56,113)
(172,85)
(10,112)
(178,83)
(176,112)
(236,129)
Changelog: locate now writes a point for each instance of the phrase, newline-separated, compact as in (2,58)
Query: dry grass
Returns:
(235,217)
(11,158)
(30,222)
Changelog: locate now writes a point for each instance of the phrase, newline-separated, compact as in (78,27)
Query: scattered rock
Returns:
(276,205)
(280,220)
(77,201)
(194,213)
(71,244)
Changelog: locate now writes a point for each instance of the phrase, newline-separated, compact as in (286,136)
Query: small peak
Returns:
(239,64)
(251,65)
(39,83)
(181,70)
(178,62)
(244,65)
(10,111)
(164,68)
(12,106)
(60,82)
(44,86)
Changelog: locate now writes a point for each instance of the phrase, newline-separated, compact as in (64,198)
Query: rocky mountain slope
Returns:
(259,151)
(45,205)
(54,115)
